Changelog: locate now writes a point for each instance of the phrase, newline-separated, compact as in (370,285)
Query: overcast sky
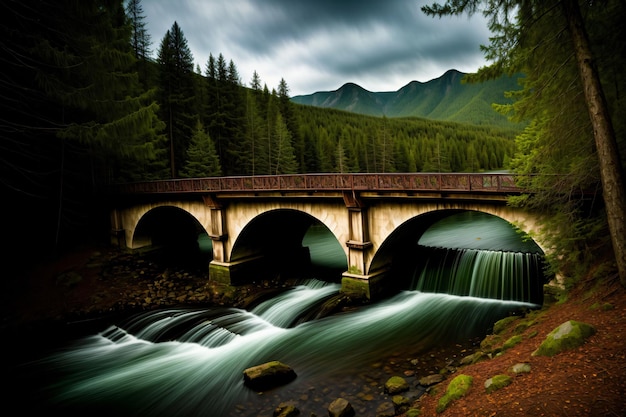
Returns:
(319,45)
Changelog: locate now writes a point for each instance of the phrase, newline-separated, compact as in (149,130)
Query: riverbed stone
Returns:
(401,403)
(386,409)
(286,410)
(396,385)
(429,380)
(340,407)
(268,375)
(568,335)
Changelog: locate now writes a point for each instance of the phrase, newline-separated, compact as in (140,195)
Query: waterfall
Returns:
(500,275)
(190,361)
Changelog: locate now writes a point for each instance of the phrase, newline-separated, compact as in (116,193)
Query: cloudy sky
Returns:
(319,45)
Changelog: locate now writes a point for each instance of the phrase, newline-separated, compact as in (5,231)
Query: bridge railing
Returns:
(424,182)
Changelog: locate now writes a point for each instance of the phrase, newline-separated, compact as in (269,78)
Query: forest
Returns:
(89,99)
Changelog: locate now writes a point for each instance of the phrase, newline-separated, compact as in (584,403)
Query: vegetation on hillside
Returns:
(85,105)
(572,152)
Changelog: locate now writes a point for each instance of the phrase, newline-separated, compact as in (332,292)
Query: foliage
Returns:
(558,156)
(176,89)
(74,113)
(202,160)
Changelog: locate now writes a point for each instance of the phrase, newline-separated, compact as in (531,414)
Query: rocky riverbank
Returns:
(588,380)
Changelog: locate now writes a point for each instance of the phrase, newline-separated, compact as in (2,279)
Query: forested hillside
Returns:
(446,98)
(90,99)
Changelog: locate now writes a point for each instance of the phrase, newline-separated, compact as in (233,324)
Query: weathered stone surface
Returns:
(457,388)
(429,380)
(401,403)
(340,408)
(286,410)
(519,368)
(268,375)
(473,358)
(386,409)
(568,335)
(396,385)
(497,382)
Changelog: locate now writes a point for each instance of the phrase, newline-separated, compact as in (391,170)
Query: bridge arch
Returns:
(279,248)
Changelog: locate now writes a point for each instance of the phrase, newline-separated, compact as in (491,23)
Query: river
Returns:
(190,362)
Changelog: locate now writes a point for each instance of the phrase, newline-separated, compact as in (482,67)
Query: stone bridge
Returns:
(255,220)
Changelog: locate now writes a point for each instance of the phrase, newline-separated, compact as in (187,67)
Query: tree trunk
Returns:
(611,172)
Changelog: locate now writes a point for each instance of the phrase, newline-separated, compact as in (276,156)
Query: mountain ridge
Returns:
(445,98)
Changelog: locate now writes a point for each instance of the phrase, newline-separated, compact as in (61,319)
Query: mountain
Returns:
(444,98)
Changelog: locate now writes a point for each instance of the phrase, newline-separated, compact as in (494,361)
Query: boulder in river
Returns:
(268,375)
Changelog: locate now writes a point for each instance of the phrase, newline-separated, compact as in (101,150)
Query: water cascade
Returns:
(190,362)
(481,273)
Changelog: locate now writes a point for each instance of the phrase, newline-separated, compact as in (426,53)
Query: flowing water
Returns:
(190,362)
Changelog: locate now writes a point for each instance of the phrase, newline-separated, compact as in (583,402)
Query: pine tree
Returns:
(74,114)
(176,81)
(202,159)
(284,156)
(141,41)
(540,39)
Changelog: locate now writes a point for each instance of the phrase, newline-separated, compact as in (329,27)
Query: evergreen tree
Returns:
(539,39)
(202,159)
(141,41)
(176,70)
(284,156)
(73,111)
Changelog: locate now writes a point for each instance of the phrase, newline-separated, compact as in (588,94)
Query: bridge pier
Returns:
(356,282)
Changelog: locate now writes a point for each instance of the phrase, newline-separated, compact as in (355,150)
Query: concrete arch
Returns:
(386,230)
(129,219)
(240,216)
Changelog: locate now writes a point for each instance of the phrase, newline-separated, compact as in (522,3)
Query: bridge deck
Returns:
(414,182)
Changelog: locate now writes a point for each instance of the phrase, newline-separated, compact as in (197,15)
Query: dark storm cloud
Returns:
(320,45)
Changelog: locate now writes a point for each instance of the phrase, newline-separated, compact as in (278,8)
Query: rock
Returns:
(286,410)
(386,409)
(457,388)
(268,375)
(519,368)
(568,335)
(474,358)
(504,323)
(401,404)
(511,342)
(396,385)
(497,382)
(340,408)
(429,380)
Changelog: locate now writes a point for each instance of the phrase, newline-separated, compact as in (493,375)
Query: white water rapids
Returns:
(190,362)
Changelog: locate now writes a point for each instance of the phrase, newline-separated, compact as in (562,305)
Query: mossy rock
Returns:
(489,342)
(413,412)
(457,388)
(512,342)
(396,385)
(568,335)
(502,325)
(603,307)
(497,382)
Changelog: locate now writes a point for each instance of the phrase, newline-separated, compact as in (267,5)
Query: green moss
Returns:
(457,388)
(511,342)
(603,307)
(413,412)
(568,335)
(354,270)
(501,325)
(497,382)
